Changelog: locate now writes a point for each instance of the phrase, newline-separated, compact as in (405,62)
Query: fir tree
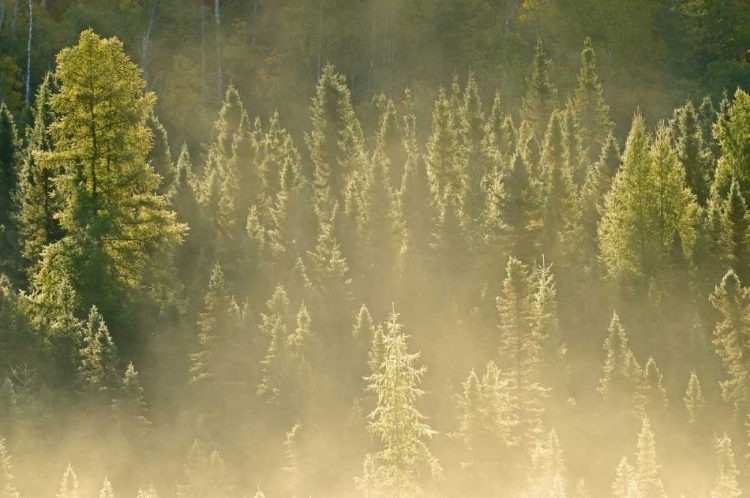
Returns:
(519,205)
(651,393)
(725,483)
(160,156)
(300,468)
(69,484)
(694,401)
(10,158)
(131,408)
(735,232)
(396,422)
(205,474)
(731,132)
(574,148)
(150,492)
(598,183)
(474,164)
(541,95)
(626,484)
(690,152)
(589,104)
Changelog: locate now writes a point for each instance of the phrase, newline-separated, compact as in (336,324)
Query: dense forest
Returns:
(379,248)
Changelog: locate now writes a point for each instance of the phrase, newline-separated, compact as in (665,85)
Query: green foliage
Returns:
(725,484)
(6,478)
(98,363)
(589,104)
(541,95)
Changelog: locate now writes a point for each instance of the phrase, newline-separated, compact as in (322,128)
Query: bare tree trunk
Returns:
(203,51)
(320,40)
(2,13)
(146,43)
(255,20)
(27,90)
(13,20)
(219,80)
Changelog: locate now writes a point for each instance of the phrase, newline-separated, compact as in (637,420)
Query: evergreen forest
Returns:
(374,248)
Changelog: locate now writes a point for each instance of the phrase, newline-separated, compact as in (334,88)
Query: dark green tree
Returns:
(541,95)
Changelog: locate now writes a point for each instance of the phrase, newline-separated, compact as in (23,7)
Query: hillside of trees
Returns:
(379,248)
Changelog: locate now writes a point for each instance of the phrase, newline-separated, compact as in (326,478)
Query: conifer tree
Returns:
(7,488)
(276,362)
(205,474)
(106,491)
(131,409)
(37,226)
(598,183)
(706,119)
(647,468)
(731,300)
(300,467)
(574,149)
(160,156)
(581,491)
(648,202)
(555,369)
(10,158)
(520,350)
(376,354)
(69,484)
(589,104)
(335,142)
(416,205)
(396,422)
(185,200)
(694,401)
(735,232)
(500,133)
(450,244)
(519,206)
(474,164)
(691,153)
(622,374)
(732,132)
(389,144)
(548,468)
(120,234)
(725,483)
(442,150)
(150,492)
(541,95)
(98,364)
(651,393)
(626,484)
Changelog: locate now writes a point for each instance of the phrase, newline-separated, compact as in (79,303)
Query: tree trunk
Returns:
(219,81)
(14,20)
(27,90)
(203,51)
(2,14)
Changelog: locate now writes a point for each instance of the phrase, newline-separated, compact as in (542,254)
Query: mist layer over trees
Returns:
(380,249)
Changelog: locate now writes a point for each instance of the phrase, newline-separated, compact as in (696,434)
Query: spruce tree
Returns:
(541,95)
(647,468)
(37,205)
(732,131)
(651,393)
(442,150)
(520,351)
(474,164)
(106,491)
(98,359)
(731,300)
(589,105)
(130,408)
(598,182)
(149,492)
(691,153)
(735,232)
(695,403)
(160,156)
(500,133)
(299,464)
(576,154)
(10,162)
(204,474)
(69,484)
(626,484)
(519,205)
(622,374)
(396,422)
(336,143)
(725,483)
(7,488)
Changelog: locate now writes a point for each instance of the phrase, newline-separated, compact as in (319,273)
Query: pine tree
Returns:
(205,474)
(731,300)
(106,491)
(300,468)
(647,469)
(6,478)
(474,164)
(150,492)
(622,374)
(98,364)
(520,350)
(500,133)
(555,369)
(336,143)
(416,205)
(548,469)
(396,422)
(731,132)
(725,484)
(589,104)
(519,205)
(185,200)
(541,95)
(694,401)
(69,484)
(576,154)
(442,150)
